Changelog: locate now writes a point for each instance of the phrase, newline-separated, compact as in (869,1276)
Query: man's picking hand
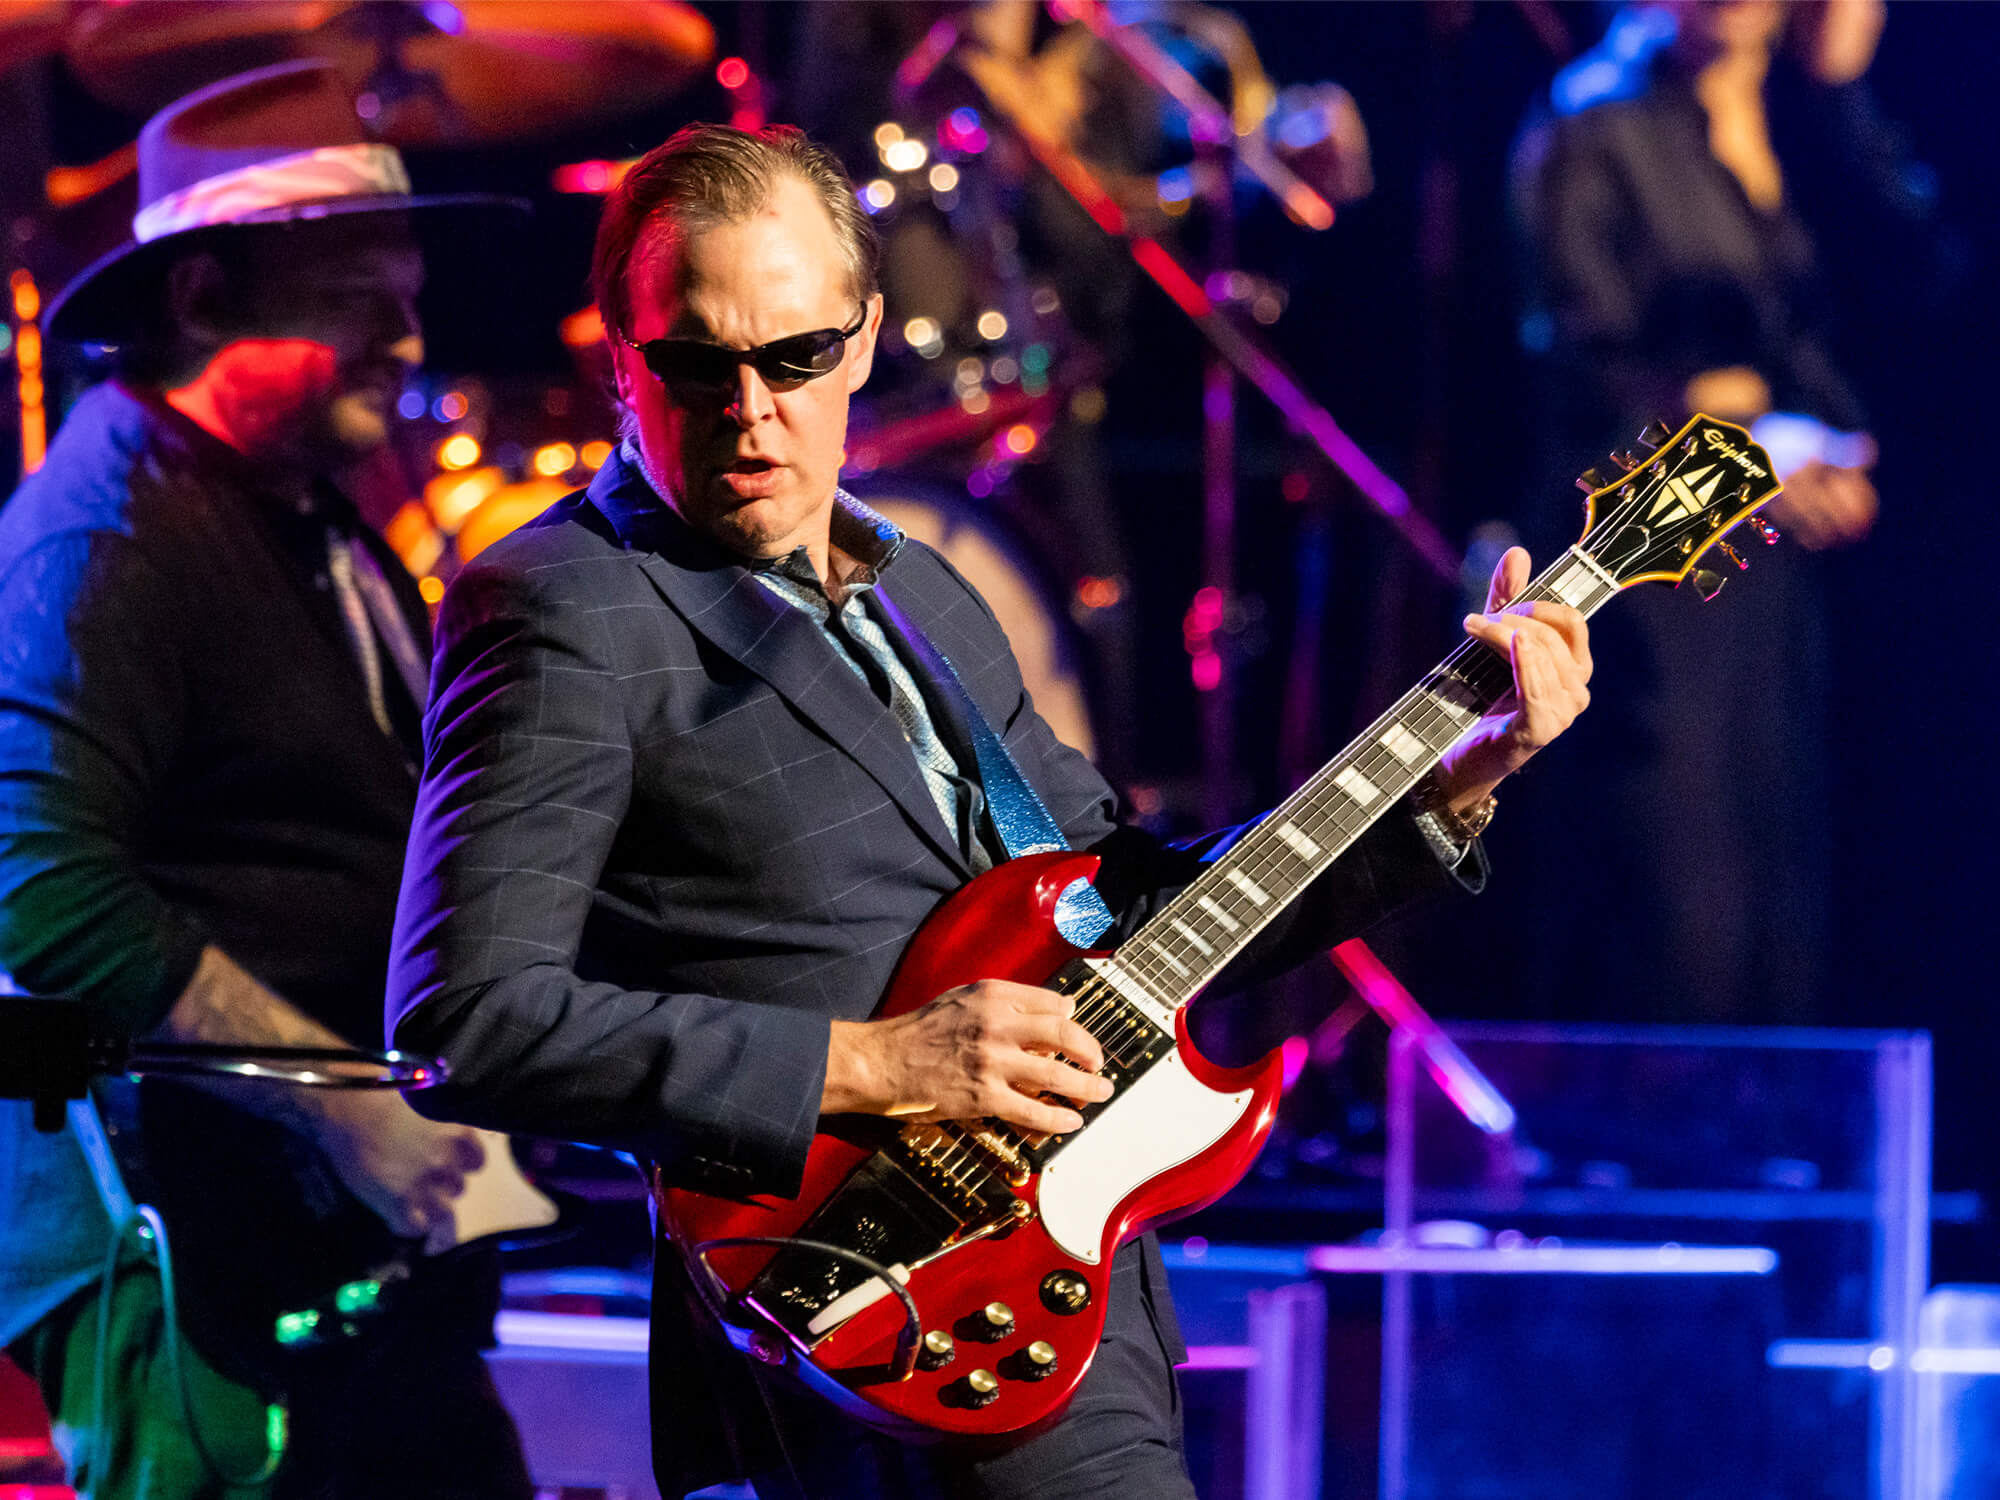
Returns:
(985,1050)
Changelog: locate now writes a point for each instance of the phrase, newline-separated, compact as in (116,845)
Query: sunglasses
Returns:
(693,366)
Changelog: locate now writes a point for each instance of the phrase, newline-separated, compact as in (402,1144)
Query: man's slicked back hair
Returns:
(707,175)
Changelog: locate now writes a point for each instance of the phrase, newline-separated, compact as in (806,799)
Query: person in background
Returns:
(1671,271)
(211,675)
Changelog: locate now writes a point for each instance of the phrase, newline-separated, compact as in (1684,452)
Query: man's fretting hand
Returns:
(985,1050)
(1548,648)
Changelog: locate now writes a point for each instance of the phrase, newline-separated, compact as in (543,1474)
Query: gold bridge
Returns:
(950,1160)
(1004,1151)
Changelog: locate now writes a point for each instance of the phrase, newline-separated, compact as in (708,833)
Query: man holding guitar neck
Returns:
(690,788)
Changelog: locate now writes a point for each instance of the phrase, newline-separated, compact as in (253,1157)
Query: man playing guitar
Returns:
(690,789)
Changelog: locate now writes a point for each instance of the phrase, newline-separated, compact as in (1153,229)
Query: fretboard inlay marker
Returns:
(1357,786)
(1406,747)
(1257,894)
(1222,918)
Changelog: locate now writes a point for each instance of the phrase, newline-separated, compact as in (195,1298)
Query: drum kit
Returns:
(975,431)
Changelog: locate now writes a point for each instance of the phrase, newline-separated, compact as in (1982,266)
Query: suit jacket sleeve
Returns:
(527,780)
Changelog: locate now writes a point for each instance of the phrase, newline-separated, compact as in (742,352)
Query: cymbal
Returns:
(437,74)
(30,29)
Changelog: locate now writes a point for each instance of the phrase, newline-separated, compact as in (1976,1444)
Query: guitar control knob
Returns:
(995,1322)
(937,1352)
(1065,1292)
(1037,1361)
(977,1389)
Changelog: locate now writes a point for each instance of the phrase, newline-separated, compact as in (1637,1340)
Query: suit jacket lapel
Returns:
(720,598)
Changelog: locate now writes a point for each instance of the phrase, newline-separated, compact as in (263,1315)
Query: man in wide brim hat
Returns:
(278,146)
(210,690)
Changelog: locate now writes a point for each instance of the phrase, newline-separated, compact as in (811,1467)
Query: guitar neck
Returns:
(1190,940)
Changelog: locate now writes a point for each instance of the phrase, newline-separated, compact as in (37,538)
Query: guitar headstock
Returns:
(1676,498)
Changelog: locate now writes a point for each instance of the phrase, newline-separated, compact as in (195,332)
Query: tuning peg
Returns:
(1625,461)
(1765,530)
(1734,556)
(1656,433)
(1708,584)
(1591,480)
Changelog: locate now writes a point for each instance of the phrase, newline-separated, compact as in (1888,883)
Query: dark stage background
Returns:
(1402,320)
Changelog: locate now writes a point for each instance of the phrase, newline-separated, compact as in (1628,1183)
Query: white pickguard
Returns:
(1164,1119)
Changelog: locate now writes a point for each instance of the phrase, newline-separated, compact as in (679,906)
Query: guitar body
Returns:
(1175,1139)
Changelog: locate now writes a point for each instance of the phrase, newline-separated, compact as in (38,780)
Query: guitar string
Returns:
(1472,663)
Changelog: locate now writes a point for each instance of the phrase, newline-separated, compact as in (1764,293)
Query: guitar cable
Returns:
(147,1223)
(276,1431)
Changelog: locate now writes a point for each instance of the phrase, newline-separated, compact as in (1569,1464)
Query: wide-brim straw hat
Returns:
(278,146)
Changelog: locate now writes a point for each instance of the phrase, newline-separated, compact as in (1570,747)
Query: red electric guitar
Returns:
(950,1278)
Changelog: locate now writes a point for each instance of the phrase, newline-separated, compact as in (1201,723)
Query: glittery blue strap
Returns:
(1020,817)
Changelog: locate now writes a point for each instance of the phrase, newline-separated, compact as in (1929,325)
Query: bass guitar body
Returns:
(1003,1243)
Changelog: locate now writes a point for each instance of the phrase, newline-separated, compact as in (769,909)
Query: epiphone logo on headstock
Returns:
(1719,444)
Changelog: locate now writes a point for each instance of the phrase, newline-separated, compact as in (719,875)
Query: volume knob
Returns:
(937,1352)
(1037,1361)
(979,1388)
(995,1321)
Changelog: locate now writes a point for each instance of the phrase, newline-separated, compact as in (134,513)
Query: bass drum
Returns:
(998,565)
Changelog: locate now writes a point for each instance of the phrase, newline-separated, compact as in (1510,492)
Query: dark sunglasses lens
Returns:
(801,358)
(684,363)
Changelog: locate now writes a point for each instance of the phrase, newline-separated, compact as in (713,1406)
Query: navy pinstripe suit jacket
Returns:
(665,835)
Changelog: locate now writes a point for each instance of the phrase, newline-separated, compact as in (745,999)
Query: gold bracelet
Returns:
(1461,827)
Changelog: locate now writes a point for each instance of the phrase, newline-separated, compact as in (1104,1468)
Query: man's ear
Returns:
(862,360)
(621,374)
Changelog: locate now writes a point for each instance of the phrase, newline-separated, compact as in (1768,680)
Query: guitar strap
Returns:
(1020,817)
